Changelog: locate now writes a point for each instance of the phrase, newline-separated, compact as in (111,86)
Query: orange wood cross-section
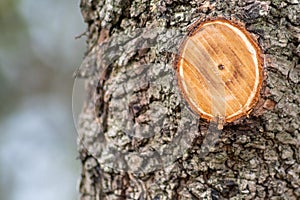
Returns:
(220,70)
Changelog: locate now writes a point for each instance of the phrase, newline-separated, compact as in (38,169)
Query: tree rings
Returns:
(219,70)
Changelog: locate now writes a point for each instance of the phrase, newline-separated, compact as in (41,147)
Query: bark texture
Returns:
(134,85)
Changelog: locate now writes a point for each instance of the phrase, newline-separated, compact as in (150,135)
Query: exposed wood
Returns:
(220,70)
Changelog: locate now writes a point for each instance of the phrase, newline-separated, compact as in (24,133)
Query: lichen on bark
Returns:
(131,47)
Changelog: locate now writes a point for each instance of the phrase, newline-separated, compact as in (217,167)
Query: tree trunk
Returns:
(138,138)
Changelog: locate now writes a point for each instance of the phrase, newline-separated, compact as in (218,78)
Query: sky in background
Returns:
(38,56)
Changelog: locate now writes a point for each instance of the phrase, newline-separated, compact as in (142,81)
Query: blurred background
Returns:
(38,56)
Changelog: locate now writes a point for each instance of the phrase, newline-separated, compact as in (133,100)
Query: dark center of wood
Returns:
(221,67)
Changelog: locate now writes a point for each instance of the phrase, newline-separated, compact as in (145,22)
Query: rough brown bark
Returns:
(134,83)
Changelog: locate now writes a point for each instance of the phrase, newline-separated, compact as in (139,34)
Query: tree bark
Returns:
(138,139)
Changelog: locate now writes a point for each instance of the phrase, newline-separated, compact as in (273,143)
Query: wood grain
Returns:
(220,70)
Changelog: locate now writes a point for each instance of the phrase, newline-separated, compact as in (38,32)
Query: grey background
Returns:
(38,55)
